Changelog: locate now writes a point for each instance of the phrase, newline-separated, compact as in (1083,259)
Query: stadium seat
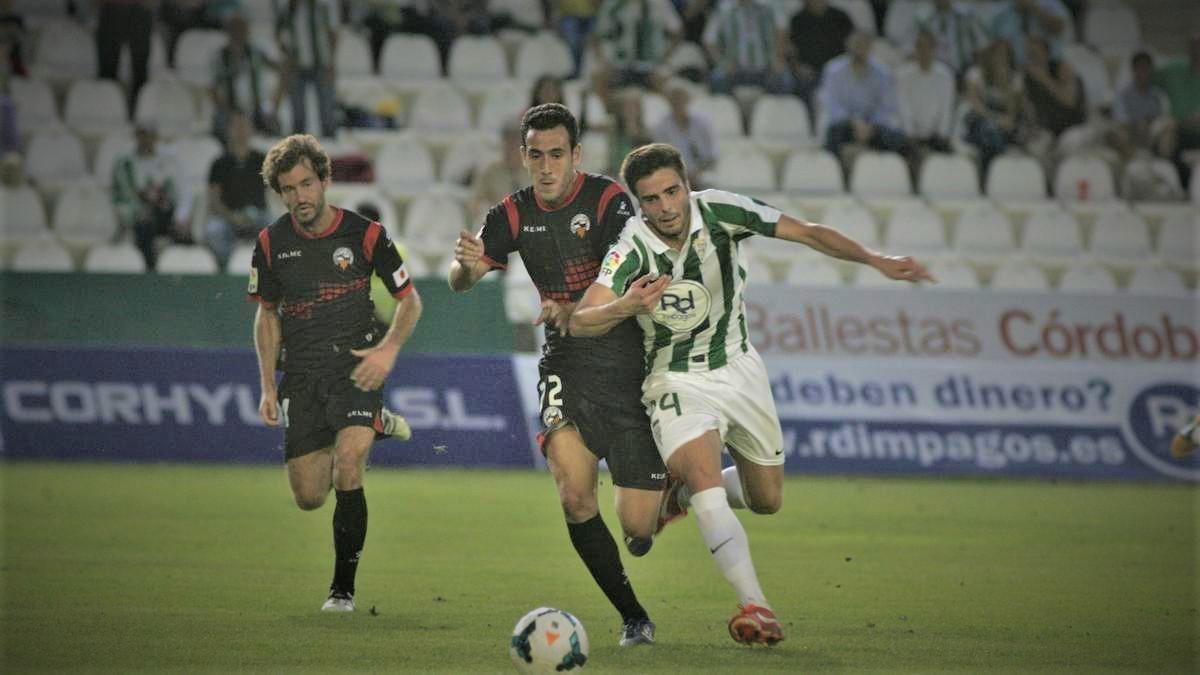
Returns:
(545,54)
(354,196)
(22,216)
(95,107)
(655,107)
(813,271)
(67,53)
(467,154)
(952,274)
(186,259)
(1151,278)
(869,277)
(855,221)
(1018,275)
(54,159)
(595,151)
(526,13)
(168,102)
(195,52)
(723,113)
(1052,234)
(1120,237)
(404,167)
(1177,240)
(194,156)
(1092,69)
(1087,275)
(899,23)
(476,61)
(688,55)
(440,109)
(1016,178)
(41,256)
(502,104)
(240,259)
(812,172)
(432,225)
(1084,179)
(984,233)
(84,216)
(1112,29)
(948,177)
(409,59)
(34,100)
(879,174)
(121,258)
(781,123)
(915,230)
(353,56)
(112,146)
(749,170)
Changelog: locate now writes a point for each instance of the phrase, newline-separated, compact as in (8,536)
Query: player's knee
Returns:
(578,506)
(766,505)
(309,502)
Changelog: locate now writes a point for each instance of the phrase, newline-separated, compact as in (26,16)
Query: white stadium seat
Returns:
(1019,275)
(747,170)
(952,274)
(813,271)
(1092,69)
(84,215)
(1120,237)
(41,256)
(780,122)
(240,259)
(983,232)
(36,109)
(855,221)
(168,102)
(22,216)
(353,57)
(545,54)
(812,172)
(408,58)
(723,113)
(527,13)
(1177,239)
(880,174)
(1150,278)
(432,225)
(466,155)
(1016,177)
(121,258)
(195,51)
(54,159)
(860,13)
(1112,29)
(476,61)
(914,229)
(440,109)
(67,52)
(186,259)
(948,177)
(502,104)
(1052,233)
(404,167)
(113,145)
(1084,179)
(1087,276)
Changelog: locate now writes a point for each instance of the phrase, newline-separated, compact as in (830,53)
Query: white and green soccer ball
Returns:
(548,640)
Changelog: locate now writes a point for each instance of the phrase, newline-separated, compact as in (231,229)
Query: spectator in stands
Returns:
(307,34)
(501,177)
(996,95)
(817,34)
(690,133)
(1142,113)
(957,31)
(926,99)
(546,89)
(859,101)
(1057,101)
(179,16)
(575,20)
(746,41)
(694,14)
(628,130)
(1020,19)
(1180,81)
(120,23)
(237,199)
(630,44)
(143,192)
(10,137)
(239,81)
(12,38)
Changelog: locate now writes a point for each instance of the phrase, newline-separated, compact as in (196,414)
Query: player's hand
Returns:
(902,268)
(374,367)
(268,409)
(644,294)
(468,249)
(556,313)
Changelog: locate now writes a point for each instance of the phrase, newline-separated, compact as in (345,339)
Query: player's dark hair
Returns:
(547,116)
(288,153)
(643,161)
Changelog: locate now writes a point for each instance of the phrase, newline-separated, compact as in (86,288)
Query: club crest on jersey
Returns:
(343,257)
(683,306)
(580,225)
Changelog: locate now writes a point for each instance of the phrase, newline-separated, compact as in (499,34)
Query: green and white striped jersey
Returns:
(700,322)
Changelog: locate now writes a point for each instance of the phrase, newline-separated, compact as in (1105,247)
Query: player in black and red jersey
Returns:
(311,275)
(590,388)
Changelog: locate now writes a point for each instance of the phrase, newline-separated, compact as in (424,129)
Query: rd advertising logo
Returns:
(1155,415)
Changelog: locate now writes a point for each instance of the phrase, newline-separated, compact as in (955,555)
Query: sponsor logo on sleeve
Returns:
(611,262)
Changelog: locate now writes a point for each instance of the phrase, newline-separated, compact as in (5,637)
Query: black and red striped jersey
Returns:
(562,249)
(321,285)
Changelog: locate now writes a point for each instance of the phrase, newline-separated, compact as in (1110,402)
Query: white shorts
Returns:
(735,400)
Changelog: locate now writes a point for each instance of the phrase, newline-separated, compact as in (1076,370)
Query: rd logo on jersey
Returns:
(683,306)
(343,257)
(580,225)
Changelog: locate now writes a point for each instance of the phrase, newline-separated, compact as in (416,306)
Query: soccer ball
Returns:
(548,640)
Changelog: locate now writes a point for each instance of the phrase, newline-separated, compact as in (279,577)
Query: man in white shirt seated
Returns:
(927,96)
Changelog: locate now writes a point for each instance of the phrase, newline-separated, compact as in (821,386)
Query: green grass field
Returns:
(125,568)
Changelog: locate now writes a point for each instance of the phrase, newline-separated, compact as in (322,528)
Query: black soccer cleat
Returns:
(637,632)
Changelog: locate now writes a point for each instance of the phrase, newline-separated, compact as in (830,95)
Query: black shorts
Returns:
(614,427)
(317,405)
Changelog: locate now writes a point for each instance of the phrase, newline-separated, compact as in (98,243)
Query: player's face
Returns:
(303,193)
(663,196)
(551,162)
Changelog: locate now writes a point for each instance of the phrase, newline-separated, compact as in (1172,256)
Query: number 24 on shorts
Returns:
(668,401)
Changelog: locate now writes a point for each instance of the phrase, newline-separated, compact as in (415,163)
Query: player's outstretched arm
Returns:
(835,244)
(379,360)
(600,309)
(468,266)
(267,340)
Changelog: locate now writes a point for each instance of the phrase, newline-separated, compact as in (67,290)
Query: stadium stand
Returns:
(1087,275)
(546,54)
(1120,237)
(186,259)
(1016,178)
(53,159)
(1152,278)
(746,170)
(1084,179)
(1052,234)
(120,258)
(83,216)
(95,108)
(1017,274)
(780,124)
(916,230)
(70,54)
(945,178)
(41,256)
(953,274)
(880,174)
(813,272)
(410,60)
(194,55)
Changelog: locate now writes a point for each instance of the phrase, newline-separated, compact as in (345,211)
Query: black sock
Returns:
(349,533)
(598,550)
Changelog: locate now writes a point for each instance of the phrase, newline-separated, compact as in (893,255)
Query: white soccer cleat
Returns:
(395,425)
(338,602)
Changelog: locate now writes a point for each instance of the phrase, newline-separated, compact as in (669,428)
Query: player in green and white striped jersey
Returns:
(680,271)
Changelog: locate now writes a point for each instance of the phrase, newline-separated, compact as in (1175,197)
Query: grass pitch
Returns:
(126,568)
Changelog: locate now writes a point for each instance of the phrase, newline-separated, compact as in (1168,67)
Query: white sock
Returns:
(726,540)
(733,487)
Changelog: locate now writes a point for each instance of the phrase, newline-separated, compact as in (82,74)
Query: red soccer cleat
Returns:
(755,625)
